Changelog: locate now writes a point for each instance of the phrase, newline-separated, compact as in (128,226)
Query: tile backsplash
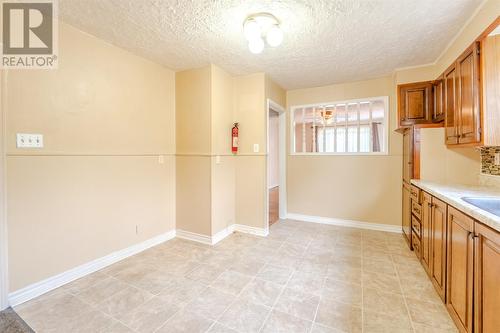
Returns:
(488,165)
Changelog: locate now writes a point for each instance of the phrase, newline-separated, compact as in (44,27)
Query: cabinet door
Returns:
(438,245)
(438,88)
(415,103)
(407,212)
(450,106)
(486,280)
(469,122)
(490,79)
(460,269)
(426,231)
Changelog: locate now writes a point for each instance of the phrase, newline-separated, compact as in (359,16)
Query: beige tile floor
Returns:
(303,277)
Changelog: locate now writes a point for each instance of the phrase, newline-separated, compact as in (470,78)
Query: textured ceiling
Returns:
(325,41)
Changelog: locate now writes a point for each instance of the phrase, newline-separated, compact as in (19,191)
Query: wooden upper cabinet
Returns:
(415,103)
(462,94)
(468,85)
(438,240)
(460,269)
(490,73)
(486,280)
(450,100)
(438,92)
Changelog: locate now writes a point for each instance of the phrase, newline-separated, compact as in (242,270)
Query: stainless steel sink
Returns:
(491,205)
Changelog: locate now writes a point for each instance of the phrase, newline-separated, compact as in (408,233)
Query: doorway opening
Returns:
(273,172)
(276,160)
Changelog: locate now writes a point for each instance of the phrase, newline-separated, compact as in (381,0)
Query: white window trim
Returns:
(385,99)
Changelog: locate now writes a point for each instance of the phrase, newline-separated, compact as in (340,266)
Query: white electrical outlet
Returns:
(497,158)
(256,148)
(217,159)
(25,140)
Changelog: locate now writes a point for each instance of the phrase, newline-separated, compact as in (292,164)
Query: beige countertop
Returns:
(453,194)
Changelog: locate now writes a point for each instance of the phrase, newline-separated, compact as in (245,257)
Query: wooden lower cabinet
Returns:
(407,212)
(486,280)
(460,259)
(426,231)
(438,245)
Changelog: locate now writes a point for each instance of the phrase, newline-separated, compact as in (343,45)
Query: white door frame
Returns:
(4,286)
(282,160)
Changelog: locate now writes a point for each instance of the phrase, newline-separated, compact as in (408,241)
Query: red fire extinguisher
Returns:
(234,132)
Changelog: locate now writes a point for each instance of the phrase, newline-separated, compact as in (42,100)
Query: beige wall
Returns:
(441,164)
(250,102)
(223,172)
(193,199)
(106,116)
(249,111)
(194,147)
(360,188)
(4,287)
(234,187)
(275,92)
(193,111)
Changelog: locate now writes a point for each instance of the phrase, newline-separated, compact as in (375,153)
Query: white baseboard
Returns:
(222,234)
(251,230)
(27,293)
(212,240)
(192,236)
(39,288)
(345,223)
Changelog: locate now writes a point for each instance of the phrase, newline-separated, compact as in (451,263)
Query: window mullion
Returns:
(335,128)
(359,128)
(314,130)
(303,130)
(324,129)
(370,124)
(346,134)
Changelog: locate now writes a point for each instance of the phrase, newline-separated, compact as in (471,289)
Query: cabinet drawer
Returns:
(415,194)
(416,245)
(416,226)
(416,209)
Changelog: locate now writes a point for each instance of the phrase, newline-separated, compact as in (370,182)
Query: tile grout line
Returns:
(216,321)
(282,290)
(403,294)
(324,284)
(293,267)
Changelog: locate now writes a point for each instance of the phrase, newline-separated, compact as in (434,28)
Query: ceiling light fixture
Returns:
(260,27)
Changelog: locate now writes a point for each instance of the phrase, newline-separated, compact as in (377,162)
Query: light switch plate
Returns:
(25,140)
(256,148)
(217,159)
(497,158)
